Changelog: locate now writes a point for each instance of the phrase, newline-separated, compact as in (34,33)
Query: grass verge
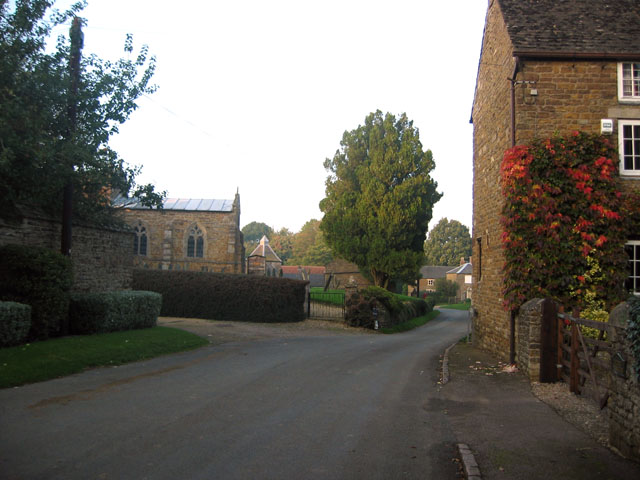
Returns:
(411,324)
(38,361)
(457,306)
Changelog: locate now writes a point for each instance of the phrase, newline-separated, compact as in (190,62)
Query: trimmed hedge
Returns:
(400,308)
(40,278)
(113,311)
(219,296)
(15,322)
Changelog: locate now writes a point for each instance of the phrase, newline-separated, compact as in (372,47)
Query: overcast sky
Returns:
(254,95)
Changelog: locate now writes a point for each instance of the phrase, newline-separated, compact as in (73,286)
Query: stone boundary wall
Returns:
(528,328)
(102,257)
(624,399)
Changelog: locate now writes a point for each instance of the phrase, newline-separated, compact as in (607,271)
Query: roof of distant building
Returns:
(435,271)
(190,205)
(579,28)
(466,269)
(293,269)
(264,250)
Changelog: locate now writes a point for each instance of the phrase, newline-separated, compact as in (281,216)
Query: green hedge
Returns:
(219,296)
(401,308)
(113,311)
(40,278)
(15,322)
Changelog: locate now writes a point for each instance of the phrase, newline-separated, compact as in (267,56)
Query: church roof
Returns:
(191,205)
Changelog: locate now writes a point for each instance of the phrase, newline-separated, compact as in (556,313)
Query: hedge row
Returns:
(113,311)
(15,322)
(40,278)
(360,308)
(218,296)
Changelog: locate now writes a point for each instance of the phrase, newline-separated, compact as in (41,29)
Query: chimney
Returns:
(462,262)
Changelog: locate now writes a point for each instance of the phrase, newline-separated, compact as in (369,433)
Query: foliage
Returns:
(379,198)
(253,233)
(40,278)
(388,300)
(39,361)
(15,323)
(447,243)
(219,296)
(446,289)
(562,211)
(52,136)
(113,311)
(282,244)
(309,246)
(411,324)
(633,332)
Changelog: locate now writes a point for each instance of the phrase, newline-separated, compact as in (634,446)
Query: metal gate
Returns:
(326,305)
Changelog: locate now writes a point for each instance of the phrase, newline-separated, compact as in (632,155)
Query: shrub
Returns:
(113,311)
(15,322)
(359,311)
(400,308)
(219,296)
(40,278)
(389,301)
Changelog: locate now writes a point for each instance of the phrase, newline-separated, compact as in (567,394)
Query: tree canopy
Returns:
(253,232)
(309,247)
(379,198)
(447,242)
(52,136)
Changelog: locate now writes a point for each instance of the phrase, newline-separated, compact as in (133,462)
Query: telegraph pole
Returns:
(75,34)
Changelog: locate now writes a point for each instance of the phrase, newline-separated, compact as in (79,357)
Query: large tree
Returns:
(379,198)
(253,232)
(309,246)
(54,126)
(447,243)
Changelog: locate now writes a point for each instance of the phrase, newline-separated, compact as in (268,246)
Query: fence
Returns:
(326,305)
(584,362)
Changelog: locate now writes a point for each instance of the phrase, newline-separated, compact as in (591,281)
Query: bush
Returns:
(15,322)
(359,311)
(219,296)
(40,278)
(400,308)
(113,311)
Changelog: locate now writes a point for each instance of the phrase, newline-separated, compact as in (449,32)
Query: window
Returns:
(430,282)
(140,239)
(468,279)
(629,146)
(629,82)
(633,280)
(195,243)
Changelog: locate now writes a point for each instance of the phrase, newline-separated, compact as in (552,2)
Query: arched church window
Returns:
(195,243)
(140,239)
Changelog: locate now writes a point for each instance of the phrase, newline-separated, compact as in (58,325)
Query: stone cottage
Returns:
(188,234)
(547,66)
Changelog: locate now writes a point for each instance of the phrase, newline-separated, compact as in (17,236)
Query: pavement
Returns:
(505,432)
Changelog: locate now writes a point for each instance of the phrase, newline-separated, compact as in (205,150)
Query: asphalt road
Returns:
(321,407)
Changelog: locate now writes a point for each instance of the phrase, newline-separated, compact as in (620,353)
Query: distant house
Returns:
(462,275)
(430,273)
(547,66)
(315,275)
(187,234)
(263,260)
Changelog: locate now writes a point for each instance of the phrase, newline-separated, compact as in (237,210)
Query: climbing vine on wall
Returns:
(563,218)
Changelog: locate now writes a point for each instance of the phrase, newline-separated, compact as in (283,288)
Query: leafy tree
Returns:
(50,137)
(253,232)
(309,246)
(282,244)
(447,242)
(379,198)
(446,289)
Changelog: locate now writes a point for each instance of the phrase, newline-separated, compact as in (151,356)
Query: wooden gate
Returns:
(582,359)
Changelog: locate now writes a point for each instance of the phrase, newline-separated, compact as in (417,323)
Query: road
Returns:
(307,407)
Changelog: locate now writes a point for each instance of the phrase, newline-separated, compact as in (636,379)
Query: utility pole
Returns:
(77,40)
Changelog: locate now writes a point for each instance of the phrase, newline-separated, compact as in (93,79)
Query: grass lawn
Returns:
(411,324)
(38,361)
(319,295)
(457,306)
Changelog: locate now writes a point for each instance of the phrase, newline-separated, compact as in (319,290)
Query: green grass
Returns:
(411,324)
(316,296)
(38,361)
(457,306)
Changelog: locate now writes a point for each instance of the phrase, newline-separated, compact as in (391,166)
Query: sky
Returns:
(253,96)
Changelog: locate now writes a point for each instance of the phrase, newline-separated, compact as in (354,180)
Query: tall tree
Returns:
(309,246)
(41,151)
(282,244)
(379,198)
(447,242)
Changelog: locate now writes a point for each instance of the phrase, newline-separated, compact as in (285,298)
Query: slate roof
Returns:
(573,27)
(466,269)
(190,205)
(431,271)
(293,269)
(265,250)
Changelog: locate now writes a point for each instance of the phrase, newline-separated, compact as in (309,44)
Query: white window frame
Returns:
(430,282)
(635,96)
(635,243)
(621,125)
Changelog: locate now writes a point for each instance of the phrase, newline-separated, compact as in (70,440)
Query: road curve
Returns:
(312,407)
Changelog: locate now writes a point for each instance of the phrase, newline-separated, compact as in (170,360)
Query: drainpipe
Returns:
(512,315)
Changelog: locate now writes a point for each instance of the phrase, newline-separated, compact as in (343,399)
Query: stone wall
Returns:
(528,326)
(624,399)
(343,272)
(102,258)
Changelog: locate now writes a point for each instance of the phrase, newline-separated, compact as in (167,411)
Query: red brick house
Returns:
(547,66)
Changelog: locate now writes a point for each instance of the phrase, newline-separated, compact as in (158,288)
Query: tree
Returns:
(253,233)
(309,247)
(46,144)
(282,244)
(379,198)
(447,242)
(446,289)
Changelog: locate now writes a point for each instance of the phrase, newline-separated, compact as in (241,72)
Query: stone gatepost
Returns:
(624,399)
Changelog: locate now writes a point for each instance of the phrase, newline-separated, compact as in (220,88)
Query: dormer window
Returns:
(629,82)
